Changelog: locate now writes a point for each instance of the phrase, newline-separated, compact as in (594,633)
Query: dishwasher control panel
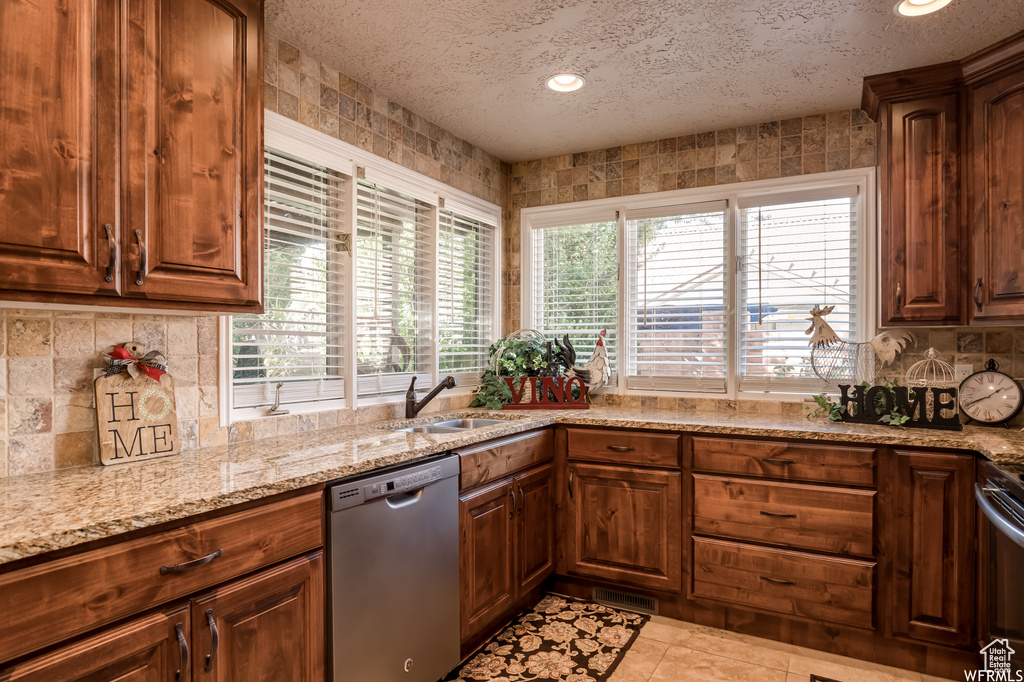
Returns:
(401,484)
(366,489)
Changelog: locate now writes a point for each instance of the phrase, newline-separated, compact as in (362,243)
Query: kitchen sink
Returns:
(450,426)
(470,423)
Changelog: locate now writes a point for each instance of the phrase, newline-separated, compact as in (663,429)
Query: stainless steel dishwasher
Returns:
(394,563)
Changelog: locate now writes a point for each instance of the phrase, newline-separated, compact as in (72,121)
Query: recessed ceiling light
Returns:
(567,82)
(917,8)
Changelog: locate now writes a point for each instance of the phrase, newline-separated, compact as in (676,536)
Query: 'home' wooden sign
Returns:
(549,393)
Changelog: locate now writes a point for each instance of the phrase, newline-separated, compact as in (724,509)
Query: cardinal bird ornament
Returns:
(596,372)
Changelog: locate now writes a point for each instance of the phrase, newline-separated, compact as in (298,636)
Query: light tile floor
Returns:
(669,650)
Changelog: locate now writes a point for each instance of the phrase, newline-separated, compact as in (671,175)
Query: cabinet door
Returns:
(195,151)
(624,525)
(920,235)
(535,528)
(997,199)
(933,547)
(57,146)
(267,627)
(153,648)
(486,520)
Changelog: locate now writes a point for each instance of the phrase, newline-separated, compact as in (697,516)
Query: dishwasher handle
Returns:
(404,499)
(1014,532)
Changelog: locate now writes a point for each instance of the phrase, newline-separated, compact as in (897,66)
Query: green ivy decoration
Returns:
(519,358)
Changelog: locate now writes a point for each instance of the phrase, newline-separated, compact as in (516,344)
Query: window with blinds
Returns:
(797,251)
(675,298)
(297,342)
(575,284)
(465,296)
(394,286)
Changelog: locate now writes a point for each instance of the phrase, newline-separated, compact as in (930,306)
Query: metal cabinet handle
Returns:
(522,499)
(977,294)
(181,568)
(776,581)
(621,448)
(899,296)
(775,460)
(512,501)
(180,674)
(214,639)
(111,264)
(143,259)
(570,484)
(776,515)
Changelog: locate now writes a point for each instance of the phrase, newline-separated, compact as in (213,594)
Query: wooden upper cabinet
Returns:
(57,182)
(195,113)
(997,197)
(920,213)
(933,535)
(920,237)
(131,151)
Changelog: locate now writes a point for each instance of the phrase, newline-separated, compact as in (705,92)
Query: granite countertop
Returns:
(54,510)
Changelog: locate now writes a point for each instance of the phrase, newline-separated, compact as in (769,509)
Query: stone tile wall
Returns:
(773,149)
(304,89)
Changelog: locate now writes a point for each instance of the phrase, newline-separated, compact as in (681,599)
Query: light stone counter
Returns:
(48,511)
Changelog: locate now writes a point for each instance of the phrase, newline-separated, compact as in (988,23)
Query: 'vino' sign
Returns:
(548,393)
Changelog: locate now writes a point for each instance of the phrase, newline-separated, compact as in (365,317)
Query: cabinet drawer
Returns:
(498,458)
(53,601)
(826,589)
(624,447)
(825,463)
(839,520)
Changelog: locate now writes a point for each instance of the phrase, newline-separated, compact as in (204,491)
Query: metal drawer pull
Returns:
(181,568)
(776,581)
(512,501)
(774,460)
(621,448)
(775,515)
(522,499)
(570,484)
(899,296)
(113,252)
(180,674)
(214,639)
(977,294)
(143,259)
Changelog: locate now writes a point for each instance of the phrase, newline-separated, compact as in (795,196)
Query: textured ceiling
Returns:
(653,69)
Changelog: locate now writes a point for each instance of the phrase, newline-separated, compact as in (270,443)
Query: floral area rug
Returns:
(559,639)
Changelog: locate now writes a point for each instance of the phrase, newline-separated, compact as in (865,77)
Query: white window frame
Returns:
(532,219)
(311,145)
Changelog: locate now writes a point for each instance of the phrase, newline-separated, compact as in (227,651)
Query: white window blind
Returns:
(394,285)
(575,285)
(797,251)
(675,298)
(465,296)
(298,339)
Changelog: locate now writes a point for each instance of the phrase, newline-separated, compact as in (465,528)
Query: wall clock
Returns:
(990,396)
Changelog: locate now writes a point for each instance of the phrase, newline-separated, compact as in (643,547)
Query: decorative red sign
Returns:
(544,389)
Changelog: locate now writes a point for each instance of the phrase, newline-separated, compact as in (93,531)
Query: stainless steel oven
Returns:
(1000,495)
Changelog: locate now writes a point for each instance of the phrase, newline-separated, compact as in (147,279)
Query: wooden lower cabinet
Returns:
(153,648)
(624,525)
(506,546)
(267,627)
(933,543)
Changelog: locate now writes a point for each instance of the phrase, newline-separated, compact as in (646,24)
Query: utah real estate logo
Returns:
(998,664)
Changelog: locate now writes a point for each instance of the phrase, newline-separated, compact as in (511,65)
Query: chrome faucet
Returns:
(412,408)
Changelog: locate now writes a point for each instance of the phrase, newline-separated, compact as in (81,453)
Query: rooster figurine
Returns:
(596,372)
(837,361)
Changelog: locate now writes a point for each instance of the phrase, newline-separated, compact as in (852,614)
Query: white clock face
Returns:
(990,397)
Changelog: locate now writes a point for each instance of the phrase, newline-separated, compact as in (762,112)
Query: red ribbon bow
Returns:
(119,353)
